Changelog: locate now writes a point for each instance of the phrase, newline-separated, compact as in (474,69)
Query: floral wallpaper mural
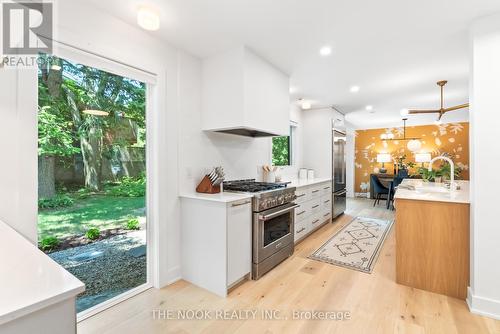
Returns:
(451,139)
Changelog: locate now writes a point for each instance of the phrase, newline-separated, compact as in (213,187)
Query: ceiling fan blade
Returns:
(465,105)
(433,111)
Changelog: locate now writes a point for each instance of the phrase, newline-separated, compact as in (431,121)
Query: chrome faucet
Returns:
(452,170)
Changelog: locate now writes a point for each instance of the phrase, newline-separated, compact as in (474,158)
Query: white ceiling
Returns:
(395,50)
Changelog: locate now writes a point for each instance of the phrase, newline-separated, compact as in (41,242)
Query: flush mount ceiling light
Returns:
(325,51)
(305,105)
(354,89)
(148,19)
(95,112)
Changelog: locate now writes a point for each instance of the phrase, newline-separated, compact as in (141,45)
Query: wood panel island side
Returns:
(432,237)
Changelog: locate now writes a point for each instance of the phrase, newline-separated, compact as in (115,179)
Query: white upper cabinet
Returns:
(244,94)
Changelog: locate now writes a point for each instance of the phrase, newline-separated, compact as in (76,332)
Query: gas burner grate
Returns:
(251,186)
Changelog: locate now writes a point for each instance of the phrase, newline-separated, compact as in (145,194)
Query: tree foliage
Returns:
(66,91)
(281,151)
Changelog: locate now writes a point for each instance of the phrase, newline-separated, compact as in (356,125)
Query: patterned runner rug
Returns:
(356,245)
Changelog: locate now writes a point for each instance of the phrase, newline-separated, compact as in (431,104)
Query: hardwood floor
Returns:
(375,302)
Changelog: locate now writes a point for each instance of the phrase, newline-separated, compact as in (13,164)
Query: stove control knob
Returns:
(281,199)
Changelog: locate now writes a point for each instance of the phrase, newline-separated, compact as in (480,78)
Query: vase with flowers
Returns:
(404,165)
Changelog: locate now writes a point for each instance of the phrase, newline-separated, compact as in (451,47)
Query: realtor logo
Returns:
(27,28)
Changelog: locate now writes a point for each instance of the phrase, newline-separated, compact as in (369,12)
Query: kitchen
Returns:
(222,107)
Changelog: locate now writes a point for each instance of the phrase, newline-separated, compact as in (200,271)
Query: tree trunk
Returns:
(90,145)
(46,178)
(46,163)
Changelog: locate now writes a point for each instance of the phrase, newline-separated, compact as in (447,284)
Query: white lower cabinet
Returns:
(216,243)
(315,208)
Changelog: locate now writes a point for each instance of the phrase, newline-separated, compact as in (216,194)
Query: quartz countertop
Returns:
(223,197)
(30,280)
(306,182)
(431,191)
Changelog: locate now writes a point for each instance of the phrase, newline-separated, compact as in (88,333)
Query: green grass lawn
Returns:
(101,211)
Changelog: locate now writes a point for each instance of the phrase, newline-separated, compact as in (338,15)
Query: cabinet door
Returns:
(239,240)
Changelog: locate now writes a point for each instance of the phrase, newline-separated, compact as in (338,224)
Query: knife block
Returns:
(207,187)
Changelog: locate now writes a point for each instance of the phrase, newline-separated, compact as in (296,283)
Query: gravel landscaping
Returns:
(108,267)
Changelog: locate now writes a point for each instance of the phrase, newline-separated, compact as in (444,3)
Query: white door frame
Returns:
(83,57)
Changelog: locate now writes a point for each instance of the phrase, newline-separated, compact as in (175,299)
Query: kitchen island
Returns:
(37,295)
(432,237)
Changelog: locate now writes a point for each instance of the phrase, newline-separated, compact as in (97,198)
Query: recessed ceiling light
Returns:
(325,50)
(293,89)
(354,89)
(369,107)
(404,112)
(148,19)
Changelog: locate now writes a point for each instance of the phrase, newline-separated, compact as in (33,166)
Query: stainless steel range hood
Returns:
(246,132)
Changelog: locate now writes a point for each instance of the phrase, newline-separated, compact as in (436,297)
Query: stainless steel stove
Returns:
(273,222)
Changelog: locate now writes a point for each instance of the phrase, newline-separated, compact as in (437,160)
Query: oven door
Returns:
(272,230)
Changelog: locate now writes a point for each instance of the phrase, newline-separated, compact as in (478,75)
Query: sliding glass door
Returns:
(92,176)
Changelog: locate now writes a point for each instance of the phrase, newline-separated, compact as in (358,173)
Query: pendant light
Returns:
(414,144)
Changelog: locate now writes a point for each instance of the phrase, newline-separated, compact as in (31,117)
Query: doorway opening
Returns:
(92,176)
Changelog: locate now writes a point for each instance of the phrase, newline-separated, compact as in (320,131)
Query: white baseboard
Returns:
(483,306)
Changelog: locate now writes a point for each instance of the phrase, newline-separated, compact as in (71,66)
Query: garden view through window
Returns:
(282,150)
(92,176)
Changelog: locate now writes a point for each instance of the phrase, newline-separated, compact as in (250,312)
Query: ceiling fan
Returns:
(441,111)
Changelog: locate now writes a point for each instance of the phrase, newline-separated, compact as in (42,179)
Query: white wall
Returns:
(484,292)
(18,144)
(350,158)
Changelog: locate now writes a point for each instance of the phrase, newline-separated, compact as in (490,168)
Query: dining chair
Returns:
(378,189)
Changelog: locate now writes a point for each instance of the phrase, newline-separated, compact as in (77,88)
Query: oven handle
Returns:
(277,213)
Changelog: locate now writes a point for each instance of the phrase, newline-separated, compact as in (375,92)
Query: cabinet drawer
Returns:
(316,220)
(326,188)
(301,229)
(326,214)
(315,206)
(316,191)
(302,211)
(303,194)
(326,201)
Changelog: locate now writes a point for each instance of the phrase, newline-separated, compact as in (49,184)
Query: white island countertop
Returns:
(430,191)
(29,279)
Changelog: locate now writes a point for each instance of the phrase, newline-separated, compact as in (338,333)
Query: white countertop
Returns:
(430,191)
(223,197)
(29,279)
(307,182)
(228,197)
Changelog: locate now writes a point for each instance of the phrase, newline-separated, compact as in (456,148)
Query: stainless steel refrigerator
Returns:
(339,172)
